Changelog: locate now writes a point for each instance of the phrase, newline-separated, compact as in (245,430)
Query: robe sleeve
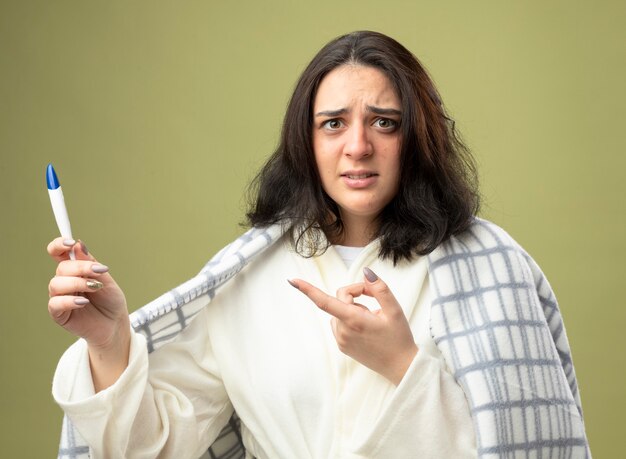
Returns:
(428,392)
(177,409)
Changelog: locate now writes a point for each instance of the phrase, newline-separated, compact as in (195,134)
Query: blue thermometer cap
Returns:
(51,178)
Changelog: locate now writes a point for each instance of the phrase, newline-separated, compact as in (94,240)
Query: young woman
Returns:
(437,343)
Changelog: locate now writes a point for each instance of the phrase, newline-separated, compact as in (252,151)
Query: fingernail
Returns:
(293,284)
(98,268)
(94,284)
(69,242)
(370,275)
(81,301)
(83,247)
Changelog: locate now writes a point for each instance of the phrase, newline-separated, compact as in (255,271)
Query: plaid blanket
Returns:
(494,317)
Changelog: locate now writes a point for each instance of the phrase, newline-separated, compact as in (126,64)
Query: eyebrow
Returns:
(383,111)
(341,111)
(370,108)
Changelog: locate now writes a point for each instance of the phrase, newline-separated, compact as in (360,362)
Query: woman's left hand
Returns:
(381,339)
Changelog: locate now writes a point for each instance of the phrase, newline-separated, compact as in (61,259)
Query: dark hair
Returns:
(437,194)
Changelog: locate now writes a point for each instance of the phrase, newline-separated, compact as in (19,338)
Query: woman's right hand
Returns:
(86,301)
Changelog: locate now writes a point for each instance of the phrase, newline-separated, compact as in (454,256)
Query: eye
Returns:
(332,124)
(386,123)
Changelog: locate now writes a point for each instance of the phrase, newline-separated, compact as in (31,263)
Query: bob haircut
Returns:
(437,195)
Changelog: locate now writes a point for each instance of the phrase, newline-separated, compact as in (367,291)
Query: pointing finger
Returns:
(325,302)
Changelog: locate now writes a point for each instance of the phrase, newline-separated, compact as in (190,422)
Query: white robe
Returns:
(263,348)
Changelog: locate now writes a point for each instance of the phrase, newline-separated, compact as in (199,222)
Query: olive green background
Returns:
(157,113)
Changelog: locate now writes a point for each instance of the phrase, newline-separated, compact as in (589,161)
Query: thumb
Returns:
(378,289)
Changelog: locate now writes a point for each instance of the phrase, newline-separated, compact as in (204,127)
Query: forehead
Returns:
(350,85)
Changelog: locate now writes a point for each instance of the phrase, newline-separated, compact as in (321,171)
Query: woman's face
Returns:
(356,141)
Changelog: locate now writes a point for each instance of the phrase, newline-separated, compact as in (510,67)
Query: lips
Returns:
(358,176)
(359,179)
(354,175)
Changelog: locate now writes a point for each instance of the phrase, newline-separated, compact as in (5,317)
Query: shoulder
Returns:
(484,252)
(260,267)
(275,253)
(482,237)
(486,257)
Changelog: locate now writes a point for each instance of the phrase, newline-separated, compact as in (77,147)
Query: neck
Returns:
(357,232)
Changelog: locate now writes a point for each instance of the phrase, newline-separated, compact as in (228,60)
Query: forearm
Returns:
(397,368)
(108,362)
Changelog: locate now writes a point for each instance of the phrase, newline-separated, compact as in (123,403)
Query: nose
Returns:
(358,144)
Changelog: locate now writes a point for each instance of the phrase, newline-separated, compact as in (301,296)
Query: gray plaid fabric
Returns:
(494,317)
(497,323)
